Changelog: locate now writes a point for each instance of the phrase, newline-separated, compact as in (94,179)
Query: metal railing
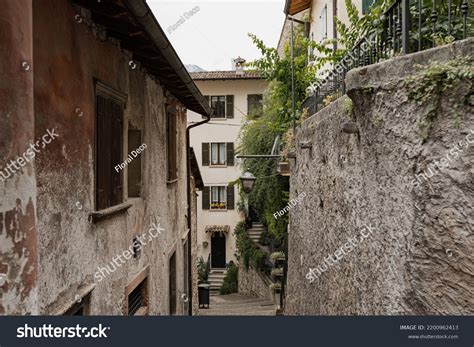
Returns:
(407,26)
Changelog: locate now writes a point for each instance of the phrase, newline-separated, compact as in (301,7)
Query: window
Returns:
(254,104)
(109,144)
(172,284)
(138,299)
(324,21)
(222,106)
(218,198)
(134,175)
(218,106)
(218,154)
(171,140)
(81,308)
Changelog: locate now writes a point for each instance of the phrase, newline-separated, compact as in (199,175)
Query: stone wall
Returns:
(418,257)
(254,284)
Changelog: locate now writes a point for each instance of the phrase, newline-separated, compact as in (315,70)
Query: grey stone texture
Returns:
(253,284)
(419,259)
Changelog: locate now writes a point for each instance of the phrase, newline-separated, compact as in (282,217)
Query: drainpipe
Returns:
(189,219)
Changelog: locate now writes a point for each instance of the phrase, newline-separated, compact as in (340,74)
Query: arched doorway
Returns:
(218,250)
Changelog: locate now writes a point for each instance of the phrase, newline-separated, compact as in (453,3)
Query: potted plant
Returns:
(276,287)
(277,272)
(276,256)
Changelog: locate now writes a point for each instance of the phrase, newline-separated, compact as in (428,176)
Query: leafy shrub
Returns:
(231,280)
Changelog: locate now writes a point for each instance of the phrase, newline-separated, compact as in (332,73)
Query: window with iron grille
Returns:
(109,143)
(255,104)
(138,300)
(171,141)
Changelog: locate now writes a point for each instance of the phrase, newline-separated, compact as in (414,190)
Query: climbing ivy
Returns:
(432,81)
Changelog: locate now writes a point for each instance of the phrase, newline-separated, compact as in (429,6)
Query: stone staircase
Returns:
(216,278)
(255,232)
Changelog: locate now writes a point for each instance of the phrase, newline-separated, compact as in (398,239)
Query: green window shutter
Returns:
(205,154)
(230,106)
(230,198)
(230,153)
(207,99)
(205,198)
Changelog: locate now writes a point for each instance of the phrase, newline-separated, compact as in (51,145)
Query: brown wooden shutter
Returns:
(206,198)
(205,154)
(103,156)
(230,106)
(230,198)
(116,115)
(230,154)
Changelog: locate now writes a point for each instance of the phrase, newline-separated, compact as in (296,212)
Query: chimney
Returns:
(238,65)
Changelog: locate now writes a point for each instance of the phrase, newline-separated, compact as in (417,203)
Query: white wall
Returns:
(221,131)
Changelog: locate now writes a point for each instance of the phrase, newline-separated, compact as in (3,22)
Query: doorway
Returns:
(218,251)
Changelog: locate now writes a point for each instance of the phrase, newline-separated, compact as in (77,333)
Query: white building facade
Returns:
(232,95)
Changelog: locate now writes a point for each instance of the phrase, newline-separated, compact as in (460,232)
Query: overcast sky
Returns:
(217,31)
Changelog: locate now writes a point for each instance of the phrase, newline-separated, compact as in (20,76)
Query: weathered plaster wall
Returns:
(419,258)
(18,233)
(68,57)
(251,283)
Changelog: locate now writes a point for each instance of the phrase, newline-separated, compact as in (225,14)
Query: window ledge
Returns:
(218,166)
(108,212)
(172,181)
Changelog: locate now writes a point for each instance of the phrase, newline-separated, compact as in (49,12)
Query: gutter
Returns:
(143,15)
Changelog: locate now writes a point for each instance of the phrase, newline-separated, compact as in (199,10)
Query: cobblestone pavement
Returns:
(237,305)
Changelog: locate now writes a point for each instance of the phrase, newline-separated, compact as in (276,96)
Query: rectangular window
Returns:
(172,284)
(138,300)
(218,106)
(134,175)
(218,198)
(171,141)
(222,106)
(81,308)
(218,154)
(255,104)
(109,146)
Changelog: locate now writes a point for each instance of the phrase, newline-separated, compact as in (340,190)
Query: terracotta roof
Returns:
(225,75)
